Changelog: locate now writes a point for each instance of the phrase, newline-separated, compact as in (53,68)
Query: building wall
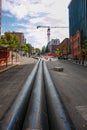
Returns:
(64,47)
(76,45)
(54,42)
(53,48)
(20,36)
(53,45)
(4,56)
(78,17)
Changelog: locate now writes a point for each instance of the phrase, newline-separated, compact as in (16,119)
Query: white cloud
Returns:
(43,12)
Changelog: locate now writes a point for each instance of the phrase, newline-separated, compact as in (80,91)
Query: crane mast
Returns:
(48,34)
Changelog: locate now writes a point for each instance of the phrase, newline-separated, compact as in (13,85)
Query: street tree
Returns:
(37,51)
(24,47)
(84,50)
(43,50)
(57,51)
(11,42)
(29,46)
(84,46)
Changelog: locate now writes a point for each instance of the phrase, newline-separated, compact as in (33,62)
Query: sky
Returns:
(25,15)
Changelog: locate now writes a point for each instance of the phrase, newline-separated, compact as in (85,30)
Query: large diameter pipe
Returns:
(36,117)
(15,117)
(57,116)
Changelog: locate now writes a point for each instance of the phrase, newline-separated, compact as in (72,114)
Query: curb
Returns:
(7,68)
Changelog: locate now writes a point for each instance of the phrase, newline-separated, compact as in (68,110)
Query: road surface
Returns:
(71,85)
(11,82)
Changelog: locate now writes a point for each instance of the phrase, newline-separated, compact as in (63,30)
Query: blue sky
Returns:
(25,15)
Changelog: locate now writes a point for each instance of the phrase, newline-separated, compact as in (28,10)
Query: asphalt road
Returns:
(71,85)
(11,82)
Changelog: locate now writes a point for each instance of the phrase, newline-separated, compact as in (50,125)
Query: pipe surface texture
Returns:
(36,117)
(15,116)
(57,117)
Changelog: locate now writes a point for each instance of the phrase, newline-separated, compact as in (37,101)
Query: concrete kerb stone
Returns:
(9,67)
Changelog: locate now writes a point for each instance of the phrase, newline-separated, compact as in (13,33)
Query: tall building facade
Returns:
(78,17)
(54,42)
(53,45)
(77,26)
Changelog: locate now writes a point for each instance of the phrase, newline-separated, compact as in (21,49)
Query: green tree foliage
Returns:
(43,50)
(14,42)
(29,46)
(57,51)
(10,40)
(37,51)
(24,47)
(84,47)
(3,42)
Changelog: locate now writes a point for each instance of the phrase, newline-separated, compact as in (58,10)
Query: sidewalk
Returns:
(85,62)
(23,60)
(9,66)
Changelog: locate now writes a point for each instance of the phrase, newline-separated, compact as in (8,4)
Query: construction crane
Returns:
(48,30)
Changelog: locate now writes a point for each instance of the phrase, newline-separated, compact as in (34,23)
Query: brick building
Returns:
(77,25)
(64,47)
(78,17)
(20,36)
(76,45)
